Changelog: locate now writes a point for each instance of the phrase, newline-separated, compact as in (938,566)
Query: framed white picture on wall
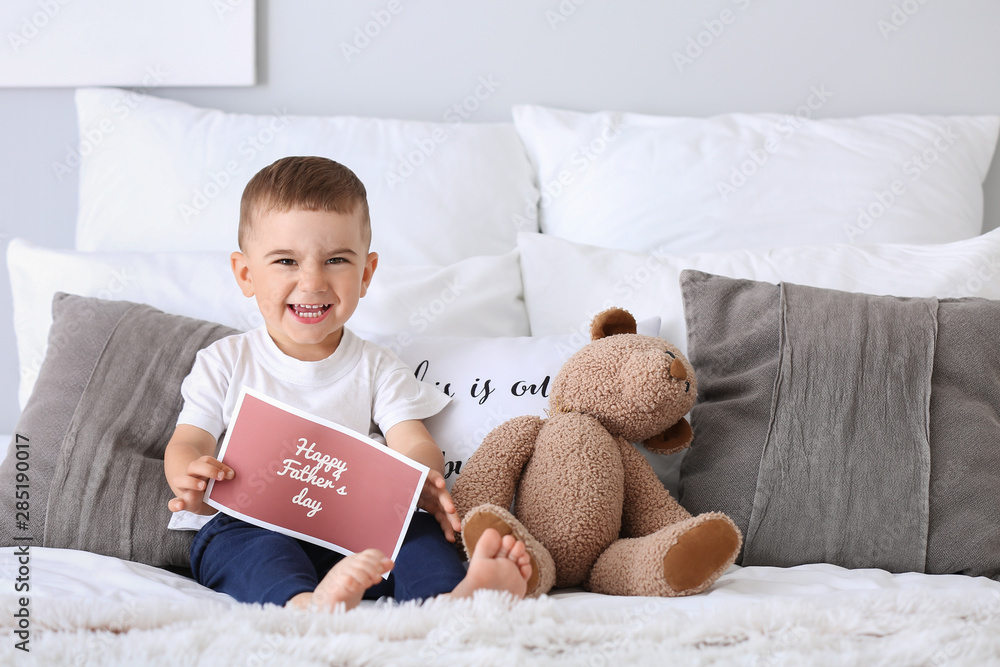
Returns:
(56,43)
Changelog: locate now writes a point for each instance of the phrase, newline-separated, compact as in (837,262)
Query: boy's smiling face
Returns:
(308,270)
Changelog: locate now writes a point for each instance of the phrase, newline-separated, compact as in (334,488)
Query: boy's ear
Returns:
(242,272)
(371,263)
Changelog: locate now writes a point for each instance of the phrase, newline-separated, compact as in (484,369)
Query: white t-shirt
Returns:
(361,386)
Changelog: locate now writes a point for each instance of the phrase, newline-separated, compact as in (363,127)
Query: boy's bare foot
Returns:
(346,582)
(498,563)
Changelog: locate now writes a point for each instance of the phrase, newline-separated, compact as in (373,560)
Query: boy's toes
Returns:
(489,544)
(518,551)
(525,568)
(507,544)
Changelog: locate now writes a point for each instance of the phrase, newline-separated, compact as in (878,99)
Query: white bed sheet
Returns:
(816,581)
(67,573)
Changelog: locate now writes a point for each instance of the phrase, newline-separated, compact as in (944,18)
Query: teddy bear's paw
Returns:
(703,551)
(681,559)
(477,520)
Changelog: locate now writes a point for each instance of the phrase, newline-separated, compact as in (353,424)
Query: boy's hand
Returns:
(411,439)
(435,499)
(190,487)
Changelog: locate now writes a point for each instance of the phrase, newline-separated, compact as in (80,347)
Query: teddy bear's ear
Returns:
(610,322)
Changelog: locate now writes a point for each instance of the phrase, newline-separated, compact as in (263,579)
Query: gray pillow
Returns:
(96,424)
(853,429)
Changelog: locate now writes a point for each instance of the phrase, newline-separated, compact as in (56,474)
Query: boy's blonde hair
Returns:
(304,182)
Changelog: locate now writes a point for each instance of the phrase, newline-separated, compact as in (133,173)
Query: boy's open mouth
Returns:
(309,311)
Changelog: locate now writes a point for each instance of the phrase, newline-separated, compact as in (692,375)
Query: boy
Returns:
(304,239)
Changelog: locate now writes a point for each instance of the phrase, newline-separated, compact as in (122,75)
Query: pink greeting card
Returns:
(313,479)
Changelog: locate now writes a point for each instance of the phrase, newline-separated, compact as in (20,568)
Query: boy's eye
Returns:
(336,260)
(286,262)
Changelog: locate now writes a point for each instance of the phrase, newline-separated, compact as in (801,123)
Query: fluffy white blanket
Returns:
(891,627)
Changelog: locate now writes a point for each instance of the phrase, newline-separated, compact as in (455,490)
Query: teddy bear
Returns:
(585,502)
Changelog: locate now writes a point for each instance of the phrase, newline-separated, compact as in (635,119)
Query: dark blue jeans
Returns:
(258,565)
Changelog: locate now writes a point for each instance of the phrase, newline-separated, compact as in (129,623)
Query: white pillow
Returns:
(492,380)
(565,283)
(478,296)
(201,285)
(685,185)
(158,175)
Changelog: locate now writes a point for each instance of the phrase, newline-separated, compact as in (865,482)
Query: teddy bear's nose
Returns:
(677,369)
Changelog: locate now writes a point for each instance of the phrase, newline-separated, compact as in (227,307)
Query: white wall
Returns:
(582,54)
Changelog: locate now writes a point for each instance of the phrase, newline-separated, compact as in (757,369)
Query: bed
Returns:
(870,531)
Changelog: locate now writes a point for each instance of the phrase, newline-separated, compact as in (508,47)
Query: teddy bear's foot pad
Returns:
(681,559)
(700,555)
(490,516)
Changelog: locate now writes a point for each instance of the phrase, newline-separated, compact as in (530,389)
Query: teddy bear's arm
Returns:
(648,506)
(491,474)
